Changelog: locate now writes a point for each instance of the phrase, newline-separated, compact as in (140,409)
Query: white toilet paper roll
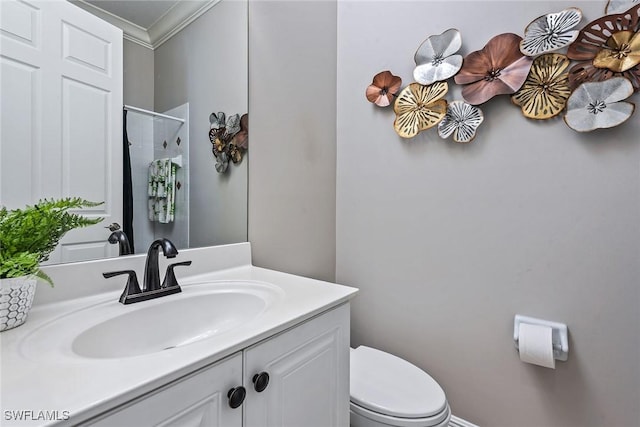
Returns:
(536,345)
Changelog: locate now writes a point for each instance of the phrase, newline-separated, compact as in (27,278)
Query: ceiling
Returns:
(143,13)
(147,22)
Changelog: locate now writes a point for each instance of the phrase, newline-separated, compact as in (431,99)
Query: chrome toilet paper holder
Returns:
(559,334)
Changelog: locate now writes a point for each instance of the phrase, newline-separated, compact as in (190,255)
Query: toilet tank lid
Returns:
(389,385)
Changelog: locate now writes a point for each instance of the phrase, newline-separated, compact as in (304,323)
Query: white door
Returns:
(61,115)
(200,400)
(308,371)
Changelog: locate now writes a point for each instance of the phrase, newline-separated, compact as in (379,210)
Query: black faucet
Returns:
(121,239)
(151,269)
(151,286)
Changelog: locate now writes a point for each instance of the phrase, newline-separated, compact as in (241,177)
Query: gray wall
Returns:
(205,64)
(448,242)
(292,80)
(137,75)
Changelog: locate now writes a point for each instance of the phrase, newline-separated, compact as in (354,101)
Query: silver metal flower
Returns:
(222,163)
(462,120)
(596,105)
(435,57)
(551,32)
(218,121)
(619,6)
(233,125)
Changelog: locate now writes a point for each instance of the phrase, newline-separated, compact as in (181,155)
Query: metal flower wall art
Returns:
(619,6)
(435,59)
(554,68)
(598,105)
(546,90)
(498,69)
(419,107)
(229,138)
(461,121)
(383,88)
(551,32)
(607,47)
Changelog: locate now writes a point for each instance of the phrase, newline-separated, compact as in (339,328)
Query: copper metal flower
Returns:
(551,32)
(419,107)
(596,105)
(619,6)
(383,88)
(241,139)
(546,90)
(607,47)
(499,68)
(461,121)
(435,57)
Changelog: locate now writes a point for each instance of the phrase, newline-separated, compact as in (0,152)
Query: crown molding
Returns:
(175,19)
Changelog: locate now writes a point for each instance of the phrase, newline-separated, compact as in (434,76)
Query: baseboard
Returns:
(459,422)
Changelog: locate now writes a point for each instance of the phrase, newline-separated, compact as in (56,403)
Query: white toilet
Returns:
(389,391)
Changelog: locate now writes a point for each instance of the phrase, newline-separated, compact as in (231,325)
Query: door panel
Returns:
(19,133)
(61,118)
(199,400)
(20,22)
(308,371)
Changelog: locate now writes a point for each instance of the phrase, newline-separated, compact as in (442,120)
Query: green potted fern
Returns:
(27,238)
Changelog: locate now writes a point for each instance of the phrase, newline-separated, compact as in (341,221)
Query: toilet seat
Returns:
(439,420)
(393,391)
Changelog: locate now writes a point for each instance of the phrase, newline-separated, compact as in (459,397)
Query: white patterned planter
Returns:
(16,297)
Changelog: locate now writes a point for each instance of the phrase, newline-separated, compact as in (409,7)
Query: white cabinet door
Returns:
(308,369)
(198,400)
(61,115)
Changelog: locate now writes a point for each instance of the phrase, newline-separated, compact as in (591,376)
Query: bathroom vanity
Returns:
(239,346)
(298,363)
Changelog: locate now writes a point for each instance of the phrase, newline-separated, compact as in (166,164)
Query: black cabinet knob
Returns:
(236,396)
(260,381)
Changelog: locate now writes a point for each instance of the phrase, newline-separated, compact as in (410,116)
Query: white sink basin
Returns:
(111,330)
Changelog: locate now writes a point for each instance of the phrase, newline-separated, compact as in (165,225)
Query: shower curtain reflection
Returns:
(152,139)
(127,191)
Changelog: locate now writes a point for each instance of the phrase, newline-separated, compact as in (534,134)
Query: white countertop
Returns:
(84,387)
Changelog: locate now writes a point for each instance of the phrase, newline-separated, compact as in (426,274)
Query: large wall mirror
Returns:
(185,59)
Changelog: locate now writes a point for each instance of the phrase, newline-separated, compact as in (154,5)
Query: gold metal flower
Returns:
(218,146)
(599,42)
(235,153)
(419,107)
(622,54)
(546,90)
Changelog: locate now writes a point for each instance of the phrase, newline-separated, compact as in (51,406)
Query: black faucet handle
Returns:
(111,274)
(131,288)
(170,277)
